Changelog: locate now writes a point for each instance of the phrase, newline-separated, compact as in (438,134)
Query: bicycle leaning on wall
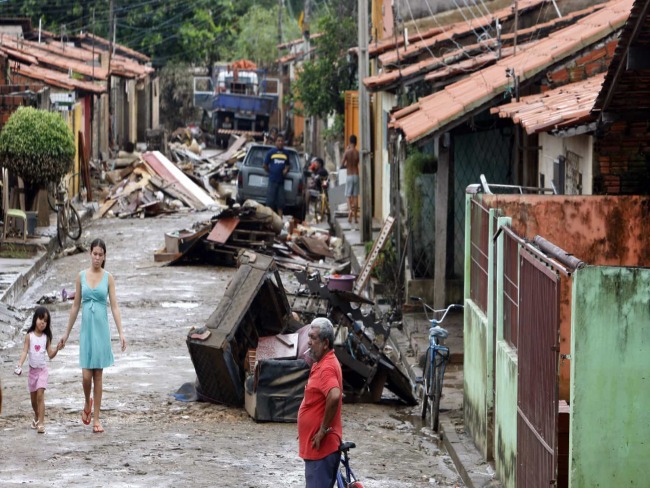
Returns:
(68,222)
(435,362)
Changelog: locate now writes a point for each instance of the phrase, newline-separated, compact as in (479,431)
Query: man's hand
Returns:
(316,440)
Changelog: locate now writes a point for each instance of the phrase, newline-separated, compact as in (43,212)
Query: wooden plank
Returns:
(377,246)
(223,229)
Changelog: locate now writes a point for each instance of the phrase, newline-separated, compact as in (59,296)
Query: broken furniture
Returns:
(254,305)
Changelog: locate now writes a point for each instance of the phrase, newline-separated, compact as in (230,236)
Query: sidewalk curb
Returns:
(14,291)
(475,472)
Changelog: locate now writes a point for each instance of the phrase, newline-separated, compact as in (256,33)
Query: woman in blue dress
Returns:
(93,287)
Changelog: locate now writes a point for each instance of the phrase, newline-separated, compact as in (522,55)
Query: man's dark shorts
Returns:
(322,473)
(275,195)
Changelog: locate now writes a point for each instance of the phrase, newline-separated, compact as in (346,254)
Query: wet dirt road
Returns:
(152,439)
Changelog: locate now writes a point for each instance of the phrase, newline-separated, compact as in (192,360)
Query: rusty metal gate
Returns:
(538,358)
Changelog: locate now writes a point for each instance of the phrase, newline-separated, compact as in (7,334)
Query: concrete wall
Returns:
(610,395)
(599,230)
(475,374)
(505,414)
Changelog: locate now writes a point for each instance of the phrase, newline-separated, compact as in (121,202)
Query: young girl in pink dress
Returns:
(38,344)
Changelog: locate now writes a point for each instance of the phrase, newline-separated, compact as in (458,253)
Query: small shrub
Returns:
(37,145)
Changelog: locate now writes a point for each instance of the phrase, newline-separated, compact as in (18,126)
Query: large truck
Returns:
(238,99)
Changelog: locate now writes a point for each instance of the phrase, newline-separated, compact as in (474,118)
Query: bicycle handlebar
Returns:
(426,307)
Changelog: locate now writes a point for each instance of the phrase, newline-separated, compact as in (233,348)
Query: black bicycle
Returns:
(345,478)
(435,363)
(68,222)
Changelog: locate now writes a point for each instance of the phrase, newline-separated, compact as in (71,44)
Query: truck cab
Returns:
(236,101)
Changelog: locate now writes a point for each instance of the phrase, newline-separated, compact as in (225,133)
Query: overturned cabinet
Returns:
(253,306)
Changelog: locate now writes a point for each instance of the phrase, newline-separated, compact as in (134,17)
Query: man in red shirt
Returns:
(319,418)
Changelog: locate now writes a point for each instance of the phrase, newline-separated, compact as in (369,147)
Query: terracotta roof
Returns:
(434,112)
(454,31)
(388,79)
(294,56)
(78,59)
(555,108)
(295,42)
(626,89)
(56,78)
(377,48)
(89,38)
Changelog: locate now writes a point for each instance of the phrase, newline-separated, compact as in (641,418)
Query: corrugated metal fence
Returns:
(538,355)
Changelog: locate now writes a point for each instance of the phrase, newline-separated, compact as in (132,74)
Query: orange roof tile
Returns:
(432,113)
(454,31)
(56,78)
(554,108)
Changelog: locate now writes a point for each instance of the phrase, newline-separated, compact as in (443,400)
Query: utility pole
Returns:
(311,147)
(364,126)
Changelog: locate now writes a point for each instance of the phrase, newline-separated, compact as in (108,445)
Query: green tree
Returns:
(258,36)
(37,145)
(322,81)
(176,93)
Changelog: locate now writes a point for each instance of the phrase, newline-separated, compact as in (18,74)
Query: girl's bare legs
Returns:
(97,394)
(34,398)
(40,402)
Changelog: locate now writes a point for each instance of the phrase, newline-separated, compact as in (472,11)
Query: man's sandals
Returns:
(87,414)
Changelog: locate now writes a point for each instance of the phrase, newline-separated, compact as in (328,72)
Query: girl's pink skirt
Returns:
(37,379)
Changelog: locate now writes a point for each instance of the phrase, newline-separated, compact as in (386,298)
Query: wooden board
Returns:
(369,263)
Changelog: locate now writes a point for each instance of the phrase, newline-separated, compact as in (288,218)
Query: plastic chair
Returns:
(11,215)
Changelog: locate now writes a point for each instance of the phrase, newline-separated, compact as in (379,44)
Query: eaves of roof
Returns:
(554,109)
(442,108)
(56,78)
(294,56)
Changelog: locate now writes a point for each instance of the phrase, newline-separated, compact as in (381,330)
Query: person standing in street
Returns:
(93,286)
(38,345)
(351,163)
(277,165)
(319,418)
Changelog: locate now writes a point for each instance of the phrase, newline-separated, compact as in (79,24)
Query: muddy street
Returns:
(151,438)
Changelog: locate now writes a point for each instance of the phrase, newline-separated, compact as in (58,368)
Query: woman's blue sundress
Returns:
(95,337)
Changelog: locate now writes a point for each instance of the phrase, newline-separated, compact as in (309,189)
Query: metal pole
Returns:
(364,126)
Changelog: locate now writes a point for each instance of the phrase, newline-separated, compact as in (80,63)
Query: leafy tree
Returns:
(37,145)
(258,37)
(322,81)
(176,93)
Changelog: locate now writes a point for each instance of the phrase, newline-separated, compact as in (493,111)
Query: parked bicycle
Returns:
(68,222)
(435,363)
(345,478)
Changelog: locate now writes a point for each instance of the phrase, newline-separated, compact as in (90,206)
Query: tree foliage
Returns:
(176,93)
(258,36)
(37,145)
(322,81)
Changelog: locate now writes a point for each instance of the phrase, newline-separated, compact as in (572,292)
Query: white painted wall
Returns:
(553,146)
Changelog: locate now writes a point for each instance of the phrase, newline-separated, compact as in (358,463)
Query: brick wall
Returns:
(622,157)
(590,64)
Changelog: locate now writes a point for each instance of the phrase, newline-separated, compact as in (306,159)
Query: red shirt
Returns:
(325,375)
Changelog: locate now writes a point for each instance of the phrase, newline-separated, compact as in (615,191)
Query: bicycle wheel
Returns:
(427,385)
(73,228)
(437,394)
(51,196)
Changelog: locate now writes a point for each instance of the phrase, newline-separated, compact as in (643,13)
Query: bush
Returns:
(37,145)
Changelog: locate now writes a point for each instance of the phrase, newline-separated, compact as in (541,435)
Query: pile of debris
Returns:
(148,185)
(252,353)
(253,227)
